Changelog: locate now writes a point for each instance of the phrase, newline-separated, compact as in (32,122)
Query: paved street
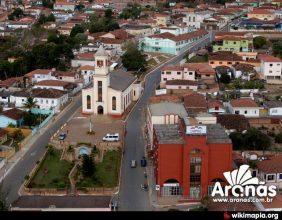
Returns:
(14,179)
(131,197)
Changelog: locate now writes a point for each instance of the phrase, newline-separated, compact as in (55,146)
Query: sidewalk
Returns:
(26,146)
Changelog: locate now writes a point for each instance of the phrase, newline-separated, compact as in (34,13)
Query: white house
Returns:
(55,84)
(195,19)
(269,170)
(271,68)
(83,59)
(215,107)
(46,99)
(112,92)
(187,71)
(38,75)
(274,108)
(244,106)
(87,73)
(64,6)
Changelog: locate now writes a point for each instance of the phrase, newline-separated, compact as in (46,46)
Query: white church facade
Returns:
(112,92)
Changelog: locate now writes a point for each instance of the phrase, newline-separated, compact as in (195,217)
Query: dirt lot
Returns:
(273,90)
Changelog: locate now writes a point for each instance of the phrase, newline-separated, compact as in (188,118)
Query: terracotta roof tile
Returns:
(243,102)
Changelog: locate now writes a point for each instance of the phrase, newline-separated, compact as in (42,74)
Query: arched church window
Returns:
(114,103)
(88,101)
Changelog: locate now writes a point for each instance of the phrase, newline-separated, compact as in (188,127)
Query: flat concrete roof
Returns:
(168,134)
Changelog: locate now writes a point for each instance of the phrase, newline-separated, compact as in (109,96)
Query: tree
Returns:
(259,42)
(277,48)
(225,78)
(30,103)
(109,13)
(256,140)
(88,166)
(132,11)
(253,139)
(237,140)
(133,59)
(17,13)
(278,138)
(76,29)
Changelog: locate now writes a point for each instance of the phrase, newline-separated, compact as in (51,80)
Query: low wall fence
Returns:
(96,190)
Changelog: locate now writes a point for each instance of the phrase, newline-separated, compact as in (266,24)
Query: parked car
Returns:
(111,137)
(133,164)
(143,162)
(62,136)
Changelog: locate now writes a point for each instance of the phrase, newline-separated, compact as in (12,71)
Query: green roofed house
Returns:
(234,43)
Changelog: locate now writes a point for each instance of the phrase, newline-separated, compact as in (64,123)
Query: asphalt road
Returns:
(131,196)
(14,179)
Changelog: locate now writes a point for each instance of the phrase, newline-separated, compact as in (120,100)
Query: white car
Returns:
(111,137)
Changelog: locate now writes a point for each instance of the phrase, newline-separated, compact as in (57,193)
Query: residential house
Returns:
(170,43)
(12,116)
(269,170)
(83,59)
(244,106)
(46,99)
(67,76)
(181,84)
(55,84)
(195,103)
(64,5)
(271,68)
(274,108)
(87,73)
(261,14)
(234,44)
(187,71)
(215,107)
(12,84)
(162,19)
(195,18)
(224,58)
(38,75)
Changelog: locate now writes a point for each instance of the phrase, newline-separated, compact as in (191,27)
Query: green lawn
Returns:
(198,59)
(152,62)
(162,58)
(107,172)
(52,173)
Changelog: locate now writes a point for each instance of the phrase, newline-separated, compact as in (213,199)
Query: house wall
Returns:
(77,63)
(4,121)
(271,70)
(275,111)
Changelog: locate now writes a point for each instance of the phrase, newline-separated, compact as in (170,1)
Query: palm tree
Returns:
(30,103)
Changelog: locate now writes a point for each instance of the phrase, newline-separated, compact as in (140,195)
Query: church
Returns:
(111,92)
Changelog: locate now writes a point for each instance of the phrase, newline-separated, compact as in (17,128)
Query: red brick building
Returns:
(189,159)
